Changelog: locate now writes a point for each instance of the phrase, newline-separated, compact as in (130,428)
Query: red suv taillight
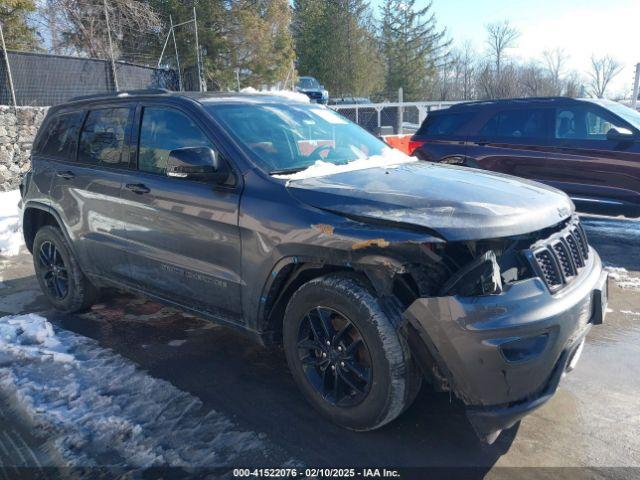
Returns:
(414,145)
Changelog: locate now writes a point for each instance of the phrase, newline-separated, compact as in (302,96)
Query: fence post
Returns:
(195,22)
(113,62)
(400,111)
(175,46)
(6,59)
(636,87)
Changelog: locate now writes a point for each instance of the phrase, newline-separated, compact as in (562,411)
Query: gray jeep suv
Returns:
(288,222)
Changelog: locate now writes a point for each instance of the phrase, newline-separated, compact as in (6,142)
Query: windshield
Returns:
(308,83)
(288,138)
(628,114)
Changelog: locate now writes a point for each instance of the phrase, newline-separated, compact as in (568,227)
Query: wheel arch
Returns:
(36,215)
(379,273)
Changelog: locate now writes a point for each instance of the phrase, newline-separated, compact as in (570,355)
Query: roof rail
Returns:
(124,93)
(511,100)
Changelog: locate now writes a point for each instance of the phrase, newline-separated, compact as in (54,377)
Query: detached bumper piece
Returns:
(503,355)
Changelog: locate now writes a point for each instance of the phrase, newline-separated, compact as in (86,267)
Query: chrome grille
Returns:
(559,258)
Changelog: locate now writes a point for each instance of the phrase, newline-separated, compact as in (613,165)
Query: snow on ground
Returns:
(97,408)
(10,228)
(291,95)
(389,158)
(623,278)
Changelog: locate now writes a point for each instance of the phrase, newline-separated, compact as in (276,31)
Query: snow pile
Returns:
(10,229)
(291,95)
(622,278)
(30,337)
(97,408)
(389,158)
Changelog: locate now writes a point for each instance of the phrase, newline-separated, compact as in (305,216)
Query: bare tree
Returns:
(500,37)
(468,67)
(603,70)
(80,25)
(555,63)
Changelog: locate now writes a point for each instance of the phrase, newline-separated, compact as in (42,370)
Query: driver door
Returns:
(184,241)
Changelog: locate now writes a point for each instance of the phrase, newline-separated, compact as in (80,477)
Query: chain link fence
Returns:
(46,80)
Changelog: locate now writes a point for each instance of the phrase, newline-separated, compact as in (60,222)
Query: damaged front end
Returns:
(498,322)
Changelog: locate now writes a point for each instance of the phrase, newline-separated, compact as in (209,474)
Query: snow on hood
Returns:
(96,407)
(389,158)
(291,95)
(10,228)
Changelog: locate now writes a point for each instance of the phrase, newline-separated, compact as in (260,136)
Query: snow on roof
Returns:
(291,95)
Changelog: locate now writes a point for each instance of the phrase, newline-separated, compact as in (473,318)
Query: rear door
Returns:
(593,170)
(86,189)
(183,235)
(442,136)
(513,140)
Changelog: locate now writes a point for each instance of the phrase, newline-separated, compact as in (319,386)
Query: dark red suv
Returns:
(588,148)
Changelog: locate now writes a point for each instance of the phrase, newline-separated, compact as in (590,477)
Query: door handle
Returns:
(66,174)
(138,188)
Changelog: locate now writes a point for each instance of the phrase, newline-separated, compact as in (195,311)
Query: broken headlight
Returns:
(479,277)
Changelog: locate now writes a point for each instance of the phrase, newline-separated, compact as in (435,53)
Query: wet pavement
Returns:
(593,420)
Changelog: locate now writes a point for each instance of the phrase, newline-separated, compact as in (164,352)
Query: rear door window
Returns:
(517,123)
(163,130)
(439,125)
(60,138)
(104,137)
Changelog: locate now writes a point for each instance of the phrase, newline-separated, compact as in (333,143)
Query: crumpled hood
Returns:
(456,202)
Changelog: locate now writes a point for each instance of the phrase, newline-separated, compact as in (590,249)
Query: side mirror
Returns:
(619,134)
(197,163)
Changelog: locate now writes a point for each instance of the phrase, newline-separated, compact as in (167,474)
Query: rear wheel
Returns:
(345,354)
(58,273)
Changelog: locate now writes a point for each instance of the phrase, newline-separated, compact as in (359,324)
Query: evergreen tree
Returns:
(261,42)
(412,45)
(335,42)
(18,34)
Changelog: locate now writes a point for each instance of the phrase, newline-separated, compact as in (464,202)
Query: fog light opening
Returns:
(524,349)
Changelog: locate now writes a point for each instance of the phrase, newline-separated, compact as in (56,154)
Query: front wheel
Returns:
(346,356)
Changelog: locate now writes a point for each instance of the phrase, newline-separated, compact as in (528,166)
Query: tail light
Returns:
(414,145)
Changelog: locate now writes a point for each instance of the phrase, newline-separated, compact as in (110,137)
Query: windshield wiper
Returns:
(287,171)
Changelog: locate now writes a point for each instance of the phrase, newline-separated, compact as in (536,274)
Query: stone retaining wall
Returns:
(18,128)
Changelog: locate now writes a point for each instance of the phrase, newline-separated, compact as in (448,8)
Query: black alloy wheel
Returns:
(53,270)
(334,357)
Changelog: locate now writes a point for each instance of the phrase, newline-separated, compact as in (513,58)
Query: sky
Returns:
(580,27)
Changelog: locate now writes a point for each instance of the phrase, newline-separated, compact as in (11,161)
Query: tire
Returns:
(79,293)
(385,360)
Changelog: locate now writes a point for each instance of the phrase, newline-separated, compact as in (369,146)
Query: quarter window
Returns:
(103,137)
(61,136)
(584,122)
(520,123)
(444,124)
(163,130)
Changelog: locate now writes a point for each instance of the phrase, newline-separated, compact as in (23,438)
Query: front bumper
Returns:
(466,338)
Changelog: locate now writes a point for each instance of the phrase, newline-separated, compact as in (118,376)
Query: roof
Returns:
(514,102)
(201,97)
